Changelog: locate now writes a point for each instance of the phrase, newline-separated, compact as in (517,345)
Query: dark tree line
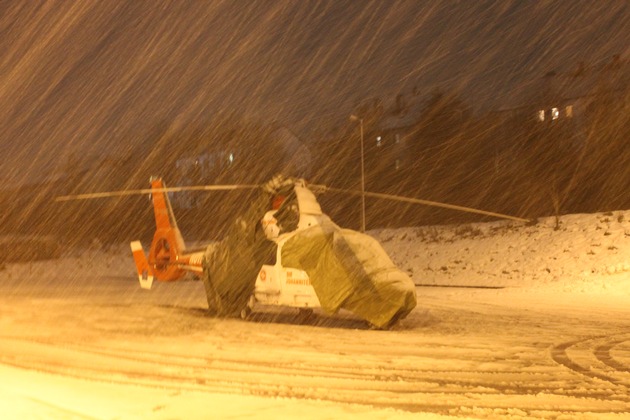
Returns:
(504,162)
(225,150)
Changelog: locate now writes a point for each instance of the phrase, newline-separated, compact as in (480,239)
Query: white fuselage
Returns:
(279,285)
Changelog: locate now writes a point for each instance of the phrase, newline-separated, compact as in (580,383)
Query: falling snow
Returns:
(513,107)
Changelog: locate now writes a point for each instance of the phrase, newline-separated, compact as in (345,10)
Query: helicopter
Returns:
(284,252)
(281,251)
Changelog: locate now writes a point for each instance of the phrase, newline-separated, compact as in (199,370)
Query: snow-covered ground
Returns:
(545,334)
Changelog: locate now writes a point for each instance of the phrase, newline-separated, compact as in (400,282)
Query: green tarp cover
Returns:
(350,270)
(231,266)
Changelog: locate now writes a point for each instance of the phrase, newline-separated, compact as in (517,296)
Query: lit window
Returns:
(569,111)
(379,141)
(555,113)
(541,115)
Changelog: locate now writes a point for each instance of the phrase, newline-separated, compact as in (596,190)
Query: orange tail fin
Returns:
(167,248)
(168,244)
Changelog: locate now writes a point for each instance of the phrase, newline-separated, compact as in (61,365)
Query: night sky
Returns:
(95,77)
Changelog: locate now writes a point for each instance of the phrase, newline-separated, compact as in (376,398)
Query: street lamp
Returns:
(360,120)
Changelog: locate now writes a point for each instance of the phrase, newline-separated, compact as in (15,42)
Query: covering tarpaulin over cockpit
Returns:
(231,266)
(350,270)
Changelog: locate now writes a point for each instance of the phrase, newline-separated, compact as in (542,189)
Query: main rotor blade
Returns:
(314,186)
(423,202)
(154,190)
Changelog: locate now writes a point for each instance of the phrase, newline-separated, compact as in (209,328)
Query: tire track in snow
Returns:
(603,354)
(590,355)
(408,389)
(57,411)
(316,369)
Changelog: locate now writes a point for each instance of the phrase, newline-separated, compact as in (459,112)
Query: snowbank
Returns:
(577,253)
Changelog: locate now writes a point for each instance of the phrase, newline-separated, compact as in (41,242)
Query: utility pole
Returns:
(360,120)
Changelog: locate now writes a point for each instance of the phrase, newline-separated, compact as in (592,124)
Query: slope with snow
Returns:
(577,251)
